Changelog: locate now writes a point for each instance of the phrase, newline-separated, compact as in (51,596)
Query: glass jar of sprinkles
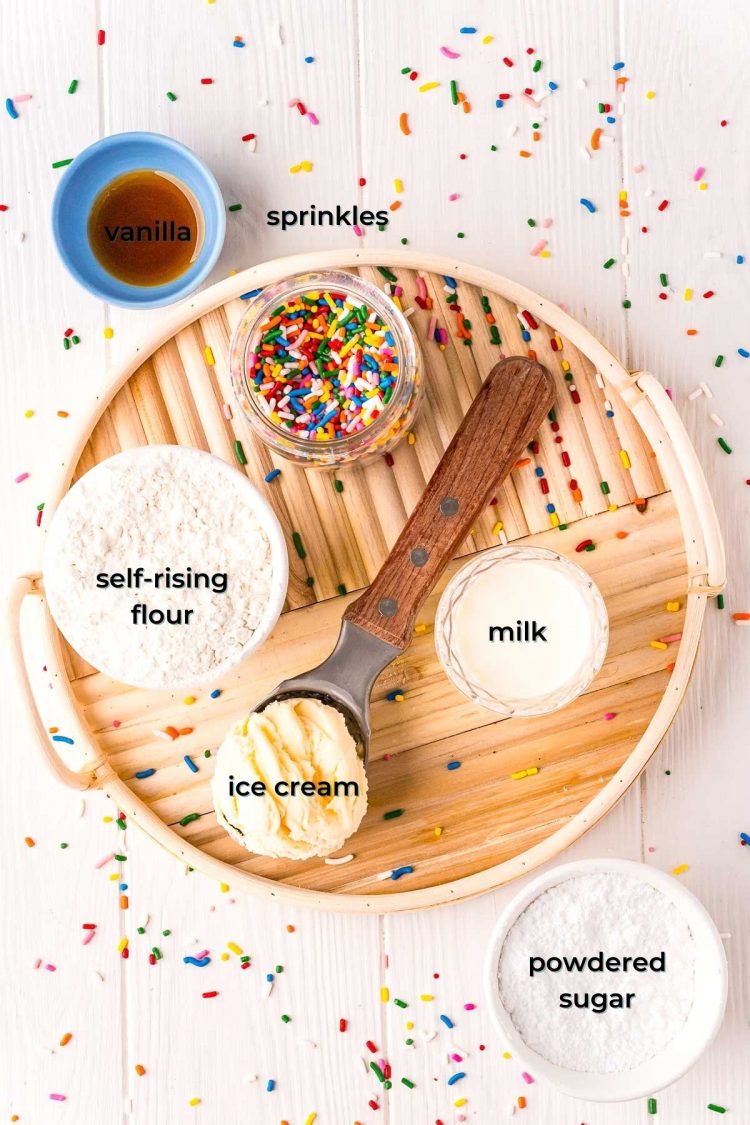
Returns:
(326,369)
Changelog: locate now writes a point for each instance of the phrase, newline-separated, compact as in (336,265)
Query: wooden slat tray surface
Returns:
(491,827)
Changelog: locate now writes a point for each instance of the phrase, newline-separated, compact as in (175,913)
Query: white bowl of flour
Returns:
(164,567)
(607,978)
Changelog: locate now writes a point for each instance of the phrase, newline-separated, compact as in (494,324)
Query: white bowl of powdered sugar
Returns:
(607,978)
(164,567)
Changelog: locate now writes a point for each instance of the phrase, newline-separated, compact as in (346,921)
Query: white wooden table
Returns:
(692,801)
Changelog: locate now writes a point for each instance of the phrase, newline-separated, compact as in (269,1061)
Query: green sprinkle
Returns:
(141,930)
(460,234)
(626,304)
(66,343)
(405,69)
(338,484)
(552,416)
(400,1003)
(157,953)
(286,1019)
(387,274)
(652,1106)
(279,969)
(76,339)
(166,933)
(121,823)
(724,446)
(664,280)
(377,1072)
(485,303)
(387,1084)
(604,487)
(392,814)
(531,222)
(63,846)
(718,361)
(537,66)
(493,148)
(591,547)
(716,1108)
(494,335)
(172,97)
(609,263)
(341,589)
(404,241)
(407,1081)
(562,527)
(298,545)
(720,601)
(568,377)
(381,227)
(62,163)
(601,107)
(408,1043)
(189,818)
(121,858)
(454,92)
(310,581)
(73,86)
(234,207)
(239,452)
(244,958)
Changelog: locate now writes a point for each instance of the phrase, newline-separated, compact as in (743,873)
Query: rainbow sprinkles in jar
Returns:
(325,368)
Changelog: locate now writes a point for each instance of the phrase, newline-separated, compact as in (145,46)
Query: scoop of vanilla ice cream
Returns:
(292,740)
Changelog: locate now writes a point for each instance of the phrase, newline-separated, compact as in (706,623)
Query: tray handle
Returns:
(20,590)
(696,494)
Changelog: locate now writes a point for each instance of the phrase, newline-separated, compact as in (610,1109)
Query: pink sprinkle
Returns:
(203,953)
(358,231)
(432,327)
(104,860)
(57,1097)
(312,118)
(671,638)
(116,723)
(526,1077)
(449,54)
(469,1007)
(697,174)
(610,715)
(638,167)
(21,477)
(51,968)
(537,248)
(88,936)
(227,411)
(22,98)
(454,195)
(457,1058)
(38,963)
(547,223)
(421,287)
(652,849)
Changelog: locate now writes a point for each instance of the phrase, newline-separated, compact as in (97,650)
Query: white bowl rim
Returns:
(279,560)
(641,1081)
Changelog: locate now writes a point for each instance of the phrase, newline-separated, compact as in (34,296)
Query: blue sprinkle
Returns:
(611,120)
(63,738)
(199,962)
(743,352)
(269,977)
(250,294)
(744,837)
(454,1078)
(270,1085)
(12,111)
(190,763)
(552,85)
(392,696)
(447,1021)
(618,66)
(123,886)
(309,59)
(238,43)
(539,471)
(550,508)
(216,693)
(499,103)
(588,205)
(145,773)
(740,259)
(272,475)
(399,871)
(610,413)
(525,334)
(454,765)
(449,281)
(468,30)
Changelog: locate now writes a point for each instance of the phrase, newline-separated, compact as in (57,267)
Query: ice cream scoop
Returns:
(378,626)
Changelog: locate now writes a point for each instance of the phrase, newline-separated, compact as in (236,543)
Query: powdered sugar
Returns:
(170,511)
(620,916)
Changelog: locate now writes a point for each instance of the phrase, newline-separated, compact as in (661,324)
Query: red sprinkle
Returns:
(371,1046)
(664,204)
(584,544)
(249,137)
(508,62)
(362,181)
(208,995)
(342,1025)
(708,293)
(101,37)
(207,81)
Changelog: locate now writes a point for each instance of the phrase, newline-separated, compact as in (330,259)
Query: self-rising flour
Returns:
(580,1016)
(157,568)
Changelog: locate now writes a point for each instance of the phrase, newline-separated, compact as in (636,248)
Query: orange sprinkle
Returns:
(403,124)
(577,495)
(692,332)
(66,1039)
(523,152)
(53,730)
(522,463)
(595,139)
(63,414)
(290,929)
(521,1101)
(395,205)
(123,902)
(621,535)
(531,354)
(536,136)
(29,842)
(140,1070)
(172,732)
(466,106)
(741,616)
(186,730)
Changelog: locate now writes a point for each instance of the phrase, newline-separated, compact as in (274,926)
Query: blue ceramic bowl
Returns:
(91,171)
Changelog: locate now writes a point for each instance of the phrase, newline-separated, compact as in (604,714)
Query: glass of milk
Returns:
(521,630)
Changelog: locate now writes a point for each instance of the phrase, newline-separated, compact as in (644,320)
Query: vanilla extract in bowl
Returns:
(145,227)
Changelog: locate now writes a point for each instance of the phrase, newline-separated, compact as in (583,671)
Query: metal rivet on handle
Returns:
(419,556)
(449,506)
(387,607)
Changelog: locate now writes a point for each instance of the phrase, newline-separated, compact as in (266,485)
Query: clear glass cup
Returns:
(394,420)
(495,698)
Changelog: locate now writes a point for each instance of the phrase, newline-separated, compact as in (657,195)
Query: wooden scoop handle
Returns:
(502,420)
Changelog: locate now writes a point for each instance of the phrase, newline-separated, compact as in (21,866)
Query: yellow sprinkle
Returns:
(624,458)
(420,629)
(428,86)
(232,945)
(411,438)
(208,353)
(426,996)
(612,507)
(409,1025)
(438,831)
(29,414)
(195,1101)
(122,945)
(532,770)
(108,333)
(189,699)
(559,343)
(114,877)
(107,819)
(650,94)
(310,1118)
(459,1102)
(306,166)
(518,775)
(681,869)
(385,995)
(554,519)
(223,887)
(565,365)
(544,254)
(507,1055)
(623,197)
(398,186)
(225,956)
(672,607)
(497,528)
(702,186)
(688,294)
(488,38)
(658,644)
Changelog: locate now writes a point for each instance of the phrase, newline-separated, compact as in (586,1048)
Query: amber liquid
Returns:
(145,228)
